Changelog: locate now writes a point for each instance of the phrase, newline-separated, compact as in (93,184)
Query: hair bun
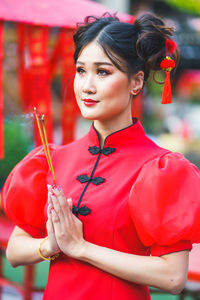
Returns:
(151,43)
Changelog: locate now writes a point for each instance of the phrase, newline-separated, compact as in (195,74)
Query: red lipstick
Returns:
(90,102)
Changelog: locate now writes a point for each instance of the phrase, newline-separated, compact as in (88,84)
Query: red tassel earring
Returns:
(167,64)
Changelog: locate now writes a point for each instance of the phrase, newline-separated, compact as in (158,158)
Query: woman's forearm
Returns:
(168,272)
(22,249)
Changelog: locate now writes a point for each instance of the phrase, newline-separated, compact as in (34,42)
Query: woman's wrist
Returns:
(45,248)
(84,252)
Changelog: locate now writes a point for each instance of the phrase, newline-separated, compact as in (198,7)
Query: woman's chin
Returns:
(89,116)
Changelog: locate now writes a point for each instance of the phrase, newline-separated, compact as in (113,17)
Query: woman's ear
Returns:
(137,81)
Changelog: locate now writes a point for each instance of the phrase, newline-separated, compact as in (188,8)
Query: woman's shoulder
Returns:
(24,193)
(164,201)
(167,171)
(77,144)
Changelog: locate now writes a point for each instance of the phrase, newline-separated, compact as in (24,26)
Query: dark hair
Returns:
(130,47)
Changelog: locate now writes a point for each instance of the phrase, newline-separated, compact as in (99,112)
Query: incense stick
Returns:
(43,135)
(40,132)
(48,152)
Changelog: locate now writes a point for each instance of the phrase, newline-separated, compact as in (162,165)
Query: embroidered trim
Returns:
(105,151)
(95,180)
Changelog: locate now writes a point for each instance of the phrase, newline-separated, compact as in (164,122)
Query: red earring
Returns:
(136,91)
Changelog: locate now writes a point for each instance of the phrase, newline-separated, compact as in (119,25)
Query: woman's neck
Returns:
(105,128)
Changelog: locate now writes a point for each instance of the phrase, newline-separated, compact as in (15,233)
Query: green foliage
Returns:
(189,6)
(155,89)
(153,119)
(16,275)
(18,142)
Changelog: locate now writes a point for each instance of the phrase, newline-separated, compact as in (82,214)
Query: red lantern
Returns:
(1,96)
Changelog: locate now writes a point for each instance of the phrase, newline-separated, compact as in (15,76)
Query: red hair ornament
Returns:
(167,64)
(170,46)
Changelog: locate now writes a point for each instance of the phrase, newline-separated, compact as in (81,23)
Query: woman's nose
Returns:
(89,86)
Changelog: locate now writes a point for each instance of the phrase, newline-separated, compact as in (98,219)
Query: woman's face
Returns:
(102,91)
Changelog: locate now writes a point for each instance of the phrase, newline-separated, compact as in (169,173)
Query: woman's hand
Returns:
(52,246)
(67,228)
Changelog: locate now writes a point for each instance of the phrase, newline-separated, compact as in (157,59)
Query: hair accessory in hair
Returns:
(170,46)
(167,64)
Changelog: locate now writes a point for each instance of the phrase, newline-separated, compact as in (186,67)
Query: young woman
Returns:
(125,212)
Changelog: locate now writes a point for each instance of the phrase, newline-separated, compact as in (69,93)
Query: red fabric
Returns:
(117,215)
(62,13)
(55,57)
(22,71)
(69,113)
(38,79)
(179,246)
(63,53)
(1,95)
(167,94)
(168,195)
(69,105)
(26,193)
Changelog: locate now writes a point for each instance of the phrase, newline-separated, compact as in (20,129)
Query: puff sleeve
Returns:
(24,193)
(164,204)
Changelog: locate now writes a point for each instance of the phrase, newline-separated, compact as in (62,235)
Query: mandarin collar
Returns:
(124,136)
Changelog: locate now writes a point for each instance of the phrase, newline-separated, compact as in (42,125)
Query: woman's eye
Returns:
(102,72)
(80,70)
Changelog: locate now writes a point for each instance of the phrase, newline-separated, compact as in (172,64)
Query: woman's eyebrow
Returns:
(98,63)
(103,63)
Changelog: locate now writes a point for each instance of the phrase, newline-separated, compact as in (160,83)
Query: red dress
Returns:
(132,196)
